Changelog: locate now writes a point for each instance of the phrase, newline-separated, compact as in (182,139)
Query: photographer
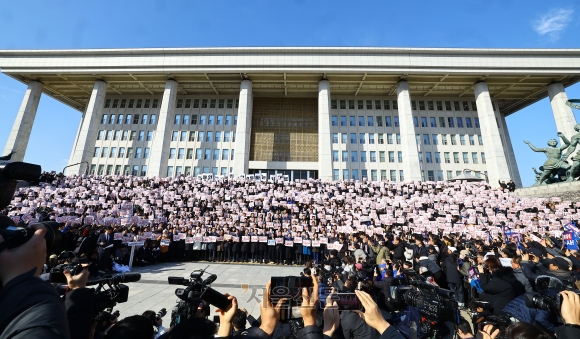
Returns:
(24,314)
(156,321)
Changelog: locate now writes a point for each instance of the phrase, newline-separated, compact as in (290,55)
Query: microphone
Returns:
(209,279)
(117,279)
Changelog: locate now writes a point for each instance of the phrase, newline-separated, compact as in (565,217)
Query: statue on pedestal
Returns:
(573,172)
(555,168)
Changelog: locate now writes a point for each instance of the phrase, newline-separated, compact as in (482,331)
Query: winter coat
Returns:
(499,287)
(452,273)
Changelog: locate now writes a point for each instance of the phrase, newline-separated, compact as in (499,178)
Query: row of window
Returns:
(196,170)
(391,156)
(465,155)
(203,136)
(180,103)
(445,141)
(427,139)
(131,103)
(389,121)
(430,175)
(201,154)
(125,135)
(422,105)
(128,119)
(211,119)
(116,170)
(114,152)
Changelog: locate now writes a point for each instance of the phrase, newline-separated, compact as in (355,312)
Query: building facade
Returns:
(328,113)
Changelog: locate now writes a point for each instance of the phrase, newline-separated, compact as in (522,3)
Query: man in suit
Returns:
(105,240)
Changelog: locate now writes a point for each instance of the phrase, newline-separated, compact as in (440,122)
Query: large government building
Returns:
(329,113)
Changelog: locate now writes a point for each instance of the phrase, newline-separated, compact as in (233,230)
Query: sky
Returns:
(61,24)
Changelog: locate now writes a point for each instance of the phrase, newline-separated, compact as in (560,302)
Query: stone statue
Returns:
(7,157)
(554,165)
(575,140)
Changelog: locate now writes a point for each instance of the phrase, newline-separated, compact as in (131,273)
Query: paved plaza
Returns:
(244,281)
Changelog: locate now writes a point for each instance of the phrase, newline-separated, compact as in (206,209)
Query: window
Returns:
(105,152)
(415,121)
(112,119)
(439,105)
(435,140)
(382,156)
(395,104)
(430,176)
(426,140)
(220,120)
(433,121)
(363,156)
(104,119)
(344,156)
(228,120)
(147,103)
(471,140)
(447,158)
(100,135)
(355,174)
(480,140)
(209,137)
(334,156)
(230,103)
(120,119)
(462,139)
(386,104)
(196,170)
(459,122)
(449,174)
(121,152)
(465,106)
(428,158)
(373,156)
(465,157)
(97,152)
(353,138)
(334,120)
(453,139)
(374,174)
(423,122)
(333,104)
(174,136)
(456,105)
(107,103)
(212,103)
(345,174)
(146,153)
(444,139)
(468,122)
(227,136)
(456,157)
(369,104)
(342,104)
(186,119)
(448,105)
(398,138)
(218,136)
(149,135)
(483,158)
(420,157)
(198,154)
(400,156)
(379,121)
(382,139)
(422,105)
(450,122)
(109,169)
(474,105)
(437,157)
(396,121)
(476,121)
(371,138)
(352,121)
(210,119)
(130,152)
(221,103)
(138,153)
(141,136)
(216,154)
(343,138)
(117,170)
(128,119)
(123,103)
(342,120)
(430,105)
(413,105)
(124,135)
(172,153)
(401,175)
(108,135)
(143,170)
(351,104)
(207,154)
(361,138)
(335,138)
(233,136)
(202,119)
(361,121)
(136,119)
(189,154)
(391,156)
(169,171)
(144,119)
(133,135)
(354,156)
(180,153)
(418,139)
(441,121)
(474,157)
(359,104)
(370,121)
(225,154)
(388,122)
(377,104)
(116,135)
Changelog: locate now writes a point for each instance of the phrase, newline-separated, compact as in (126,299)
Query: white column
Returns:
(157,165)
(244,129)
(411,166)
(508,149)
(82,149)
(496,162)
(20,134)
(324,145)
(563,114)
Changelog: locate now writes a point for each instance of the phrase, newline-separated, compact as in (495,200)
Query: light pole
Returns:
(82,162)
(486,177)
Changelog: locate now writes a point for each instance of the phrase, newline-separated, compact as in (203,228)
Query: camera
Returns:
(548,297)
(15,236)
(10,174)
(111,291)
(160,314)
(57,272)
(191,297)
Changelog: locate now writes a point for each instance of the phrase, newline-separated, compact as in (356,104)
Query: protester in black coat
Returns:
(499,284)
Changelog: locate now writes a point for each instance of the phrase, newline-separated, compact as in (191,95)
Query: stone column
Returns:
(244,129)
(324,145)
(508,149)
(563,114)
(411,166)
(157,165)
(20,133)
(82,149)
(496,161)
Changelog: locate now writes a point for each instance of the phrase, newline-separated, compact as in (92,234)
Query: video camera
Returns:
(548,297)
(111,290)
(191,297)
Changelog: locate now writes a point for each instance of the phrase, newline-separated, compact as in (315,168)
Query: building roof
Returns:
(516,77)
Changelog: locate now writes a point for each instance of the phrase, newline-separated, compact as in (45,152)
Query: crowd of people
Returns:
(491,248)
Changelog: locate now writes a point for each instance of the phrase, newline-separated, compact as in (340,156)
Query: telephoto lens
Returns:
(161,314)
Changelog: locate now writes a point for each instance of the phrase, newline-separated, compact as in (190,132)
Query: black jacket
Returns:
(452,273)
(80,304)
(500,288)
(567,332)
(31,308)
(354,327)
(399,252)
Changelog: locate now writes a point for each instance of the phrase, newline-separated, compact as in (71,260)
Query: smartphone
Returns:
(346,301)
(215,298)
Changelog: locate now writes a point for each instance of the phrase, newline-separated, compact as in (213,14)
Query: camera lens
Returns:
(53,236)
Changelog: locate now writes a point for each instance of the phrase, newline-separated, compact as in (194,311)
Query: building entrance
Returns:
(292,174)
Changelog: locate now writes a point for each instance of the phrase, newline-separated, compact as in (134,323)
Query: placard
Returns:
(263,239)
(288,243)
(245,238)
